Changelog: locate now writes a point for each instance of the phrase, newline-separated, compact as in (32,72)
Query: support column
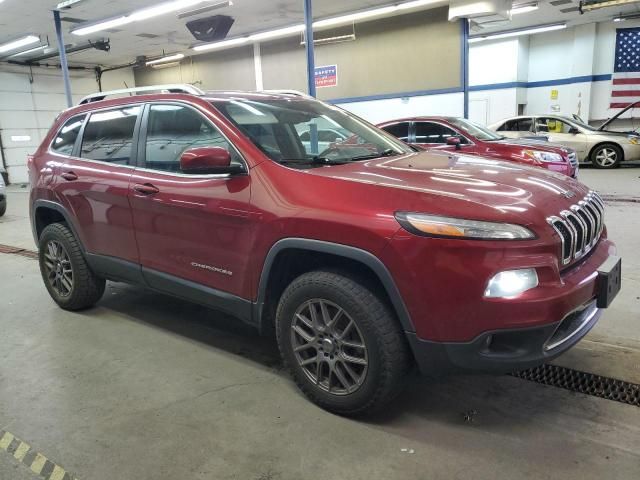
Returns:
(465,65)
(311,68)
(63,58)
(257,65)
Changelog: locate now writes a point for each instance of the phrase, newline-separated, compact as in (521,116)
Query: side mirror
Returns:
(574,130)
(208,160)
(454,141)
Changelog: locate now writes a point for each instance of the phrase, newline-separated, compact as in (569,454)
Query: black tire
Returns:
(3,208)
(386,351)
(606,156)
(86,288)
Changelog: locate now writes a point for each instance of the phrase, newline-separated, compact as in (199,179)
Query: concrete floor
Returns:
(146,386)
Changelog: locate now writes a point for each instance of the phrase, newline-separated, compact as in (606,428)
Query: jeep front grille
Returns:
(579,227)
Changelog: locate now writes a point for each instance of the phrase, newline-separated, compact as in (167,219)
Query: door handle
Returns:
(70,176)
(145,188)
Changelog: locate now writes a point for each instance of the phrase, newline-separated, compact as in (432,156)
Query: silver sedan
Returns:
(603,148)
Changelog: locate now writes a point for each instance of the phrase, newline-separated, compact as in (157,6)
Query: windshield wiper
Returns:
(386,153)
(313,161)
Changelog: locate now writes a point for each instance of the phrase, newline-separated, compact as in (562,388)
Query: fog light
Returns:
(511,283)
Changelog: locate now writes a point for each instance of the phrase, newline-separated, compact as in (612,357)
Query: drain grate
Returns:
(587,383)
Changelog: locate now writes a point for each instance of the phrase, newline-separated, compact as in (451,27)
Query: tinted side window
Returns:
(427,132)
(525,125)
(108,136)
(399,130)
(66,138)
(172,129)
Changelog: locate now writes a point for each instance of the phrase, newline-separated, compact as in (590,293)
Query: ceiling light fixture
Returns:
(139,15)
(21,42)
(524,8)
(66,4)
(168,58)
(31,50)
(326,22)
(516,33)
(280,32)
(589,5)
(223,44)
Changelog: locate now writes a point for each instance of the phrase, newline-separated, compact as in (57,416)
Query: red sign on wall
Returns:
(326,76)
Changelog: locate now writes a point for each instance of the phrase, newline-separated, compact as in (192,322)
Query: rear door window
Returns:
(517,125)
(108,136)
(398,130)
(428,132)
(65,140)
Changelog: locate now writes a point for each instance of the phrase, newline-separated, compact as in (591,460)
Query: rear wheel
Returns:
(3,208)
(343,346)
(69,281)
(607,155)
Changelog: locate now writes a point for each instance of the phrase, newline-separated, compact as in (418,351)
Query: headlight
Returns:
(634,140)
(510,283)
(543,156)
(437,226)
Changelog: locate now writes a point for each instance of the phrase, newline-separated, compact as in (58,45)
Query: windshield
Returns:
(475,130)
(304,132)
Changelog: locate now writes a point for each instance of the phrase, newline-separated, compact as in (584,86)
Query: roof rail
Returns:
(173,88)
(297,93)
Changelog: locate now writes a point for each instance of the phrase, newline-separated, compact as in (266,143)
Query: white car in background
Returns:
(603,148)
(3,196)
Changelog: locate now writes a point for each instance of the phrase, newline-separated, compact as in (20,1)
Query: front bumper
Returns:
(505,350)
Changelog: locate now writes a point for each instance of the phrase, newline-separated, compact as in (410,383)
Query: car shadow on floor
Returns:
(493,402)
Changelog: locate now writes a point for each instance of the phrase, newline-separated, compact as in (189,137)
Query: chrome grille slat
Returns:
(579,227)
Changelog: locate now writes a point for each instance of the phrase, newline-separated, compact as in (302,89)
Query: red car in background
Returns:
(451,133)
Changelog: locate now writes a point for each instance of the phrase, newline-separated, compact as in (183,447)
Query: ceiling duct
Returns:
(480,11)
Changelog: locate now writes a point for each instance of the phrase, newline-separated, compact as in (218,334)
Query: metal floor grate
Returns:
(583,382)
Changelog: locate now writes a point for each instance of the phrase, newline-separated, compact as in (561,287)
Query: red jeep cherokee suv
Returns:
(451,133)
(366,258)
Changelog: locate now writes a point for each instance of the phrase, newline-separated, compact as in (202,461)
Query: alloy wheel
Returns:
(58,268)
(329,347)
(606,157)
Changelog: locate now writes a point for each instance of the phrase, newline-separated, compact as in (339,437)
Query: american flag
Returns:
(626,71)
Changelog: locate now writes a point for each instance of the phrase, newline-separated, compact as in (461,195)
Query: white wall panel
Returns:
(493,62)
(30,103)
(376,111)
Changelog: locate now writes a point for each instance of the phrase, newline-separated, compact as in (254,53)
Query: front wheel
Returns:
(607,155)
(68,278)
(342,345)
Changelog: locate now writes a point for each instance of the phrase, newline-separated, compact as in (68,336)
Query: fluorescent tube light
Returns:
(105,25)
(516,33)
(31,50)
(280,32)
(223,44)
(168,58)
(524,8)
(352,17)
(138,15)
(21,42)
(67,4)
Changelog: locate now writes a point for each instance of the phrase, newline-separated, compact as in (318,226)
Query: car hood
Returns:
(463,185)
